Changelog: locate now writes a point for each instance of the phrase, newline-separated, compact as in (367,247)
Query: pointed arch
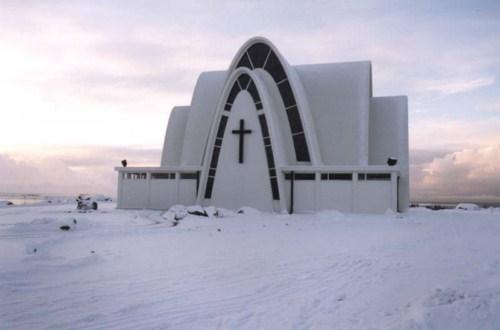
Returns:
(260,53)
(241,79)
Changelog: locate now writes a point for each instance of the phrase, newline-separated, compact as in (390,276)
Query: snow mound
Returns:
(248,211)
(455,309)
(468,207)
(48,224)
(6,203)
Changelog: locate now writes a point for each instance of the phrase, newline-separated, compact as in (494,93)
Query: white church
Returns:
(282,138)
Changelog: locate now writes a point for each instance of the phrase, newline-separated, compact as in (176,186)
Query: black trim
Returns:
(378,176)
(215,157)
(361,176)
(252,89)
(189,176)
(162,176)
(260,55)
(232,94)
(244,62)
(210,186)
(300,176)
(244,79)
(222,127)
(294,119)
(274,67)
(340,176)
(300,146)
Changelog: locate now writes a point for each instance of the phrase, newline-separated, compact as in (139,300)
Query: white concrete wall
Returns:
(349,196)
(373,196)
(389,138)
(335,194)
(245,184)
(205,97)
(339,99)
(134,194)
(155,193)
(174,136)
(304,196)
(187,192)
(163,193)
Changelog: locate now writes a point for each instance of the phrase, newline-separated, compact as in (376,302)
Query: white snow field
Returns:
(117,269)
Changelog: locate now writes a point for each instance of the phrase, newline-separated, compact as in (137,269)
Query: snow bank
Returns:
(119,269)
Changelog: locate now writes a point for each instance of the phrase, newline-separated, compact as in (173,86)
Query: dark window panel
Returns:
(244,79)
(267,141)
(272,172)
(258,53)
(208,190)
(269,156)
(361,176)
(274,67)
(259,106)
(304,176)
(288,176)
(378,176)
(218,142)
(222,127)
(274,189)
(286,94)
(172,175)
(263,125)
(215,157)
(189,176)
(211,172)
(232,94)
(300,145)
(244,62)
(160,175)
(294,119)
(253,91)
(227,107)
(341,176)
(324,176)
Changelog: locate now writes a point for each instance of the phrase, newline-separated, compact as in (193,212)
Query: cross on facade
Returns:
(241,132)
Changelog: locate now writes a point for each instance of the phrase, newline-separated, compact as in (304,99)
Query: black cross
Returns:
(242,131)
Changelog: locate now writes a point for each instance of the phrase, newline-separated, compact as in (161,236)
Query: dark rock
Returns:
(218,229)
(34,250)
(65,227)
(74,221)
(92,251)
(198,213)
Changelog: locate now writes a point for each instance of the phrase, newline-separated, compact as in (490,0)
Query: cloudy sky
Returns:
(84,84)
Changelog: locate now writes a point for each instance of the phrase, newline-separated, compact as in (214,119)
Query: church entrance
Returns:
(242,175)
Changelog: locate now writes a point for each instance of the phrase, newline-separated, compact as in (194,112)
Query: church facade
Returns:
(282,138)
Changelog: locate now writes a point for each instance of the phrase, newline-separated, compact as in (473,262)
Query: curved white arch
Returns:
(233,76)
(297,90)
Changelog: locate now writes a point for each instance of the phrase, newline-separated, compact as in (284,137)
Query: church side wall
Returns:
(339,100)
(389,138)
(172,146)
(203,105)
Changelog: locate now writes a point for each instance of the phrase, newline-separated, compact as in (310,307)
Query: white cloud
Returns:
(469,173)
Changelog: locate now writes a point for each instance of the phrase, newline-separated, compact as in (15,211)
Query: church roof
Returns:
(325,107)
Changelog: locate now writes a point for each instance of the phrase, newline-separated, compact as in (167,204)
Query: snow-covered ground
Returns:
(133,270)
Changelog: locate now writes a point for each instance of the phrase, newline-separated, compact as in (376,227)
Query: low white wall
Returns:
(367,193)
(163,193)
(373,196)
(187,192)
(134,194)
(336,195)
(155,189)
